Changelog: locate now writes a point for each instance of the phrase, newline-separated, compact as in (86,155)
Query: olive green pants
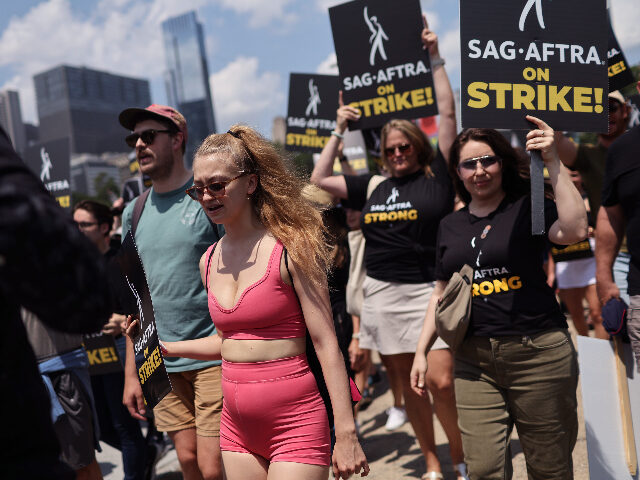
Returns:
(526,381)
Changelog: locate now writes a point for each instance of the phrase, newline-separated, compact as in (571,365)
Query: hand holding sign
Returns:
(429,39)
(132,326)
(542,139)
(344,114)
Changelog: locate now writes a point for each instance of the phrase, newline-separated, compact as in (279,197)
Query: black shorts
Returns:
(74,429)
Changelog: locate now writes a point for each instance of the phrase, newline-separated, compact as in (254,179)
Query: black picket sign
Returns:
(384,70)
(313,101)
(618,68)
(547,59)
(149,361)
(51,162)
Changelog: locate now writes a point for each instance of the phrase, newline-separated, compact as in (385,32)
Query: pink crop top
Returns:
(267,310)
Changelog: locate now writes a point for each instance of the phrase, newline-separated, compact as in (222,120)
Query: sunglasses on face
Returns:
(485,161)
(389,152)
(215,189)
(147,136)
(84,225)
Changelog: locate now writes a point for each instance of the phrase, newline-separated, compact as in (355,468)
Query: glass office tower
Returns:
(187,77)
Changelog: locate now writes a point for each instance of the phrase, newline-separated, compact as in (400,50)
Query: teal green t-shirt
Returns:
(172,234)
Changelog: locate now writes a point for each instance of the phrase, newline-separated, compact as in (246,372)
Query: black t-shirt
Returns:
(622,187)
(400,222)
(510,292)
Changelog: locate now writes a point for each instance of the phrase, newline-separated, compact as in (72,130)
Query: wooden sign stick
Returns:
(625,408)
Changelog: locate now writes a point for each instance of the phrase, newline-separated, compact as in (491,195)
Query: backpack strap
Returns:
(206,275)
(137,211)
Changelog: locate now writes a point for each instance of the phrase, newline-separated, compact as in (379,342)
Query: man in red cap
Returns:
(171,235)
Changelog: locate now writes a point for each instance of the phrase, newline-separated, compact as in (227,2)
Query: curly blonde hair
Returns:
(278,201)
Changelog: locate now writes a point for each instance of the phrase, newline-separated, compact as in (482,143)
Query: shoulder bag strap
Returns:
(373,184)
(137,211)
(206,275)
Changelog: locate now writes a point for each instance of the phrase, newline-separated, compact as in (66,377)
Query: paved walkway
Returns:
(391,455)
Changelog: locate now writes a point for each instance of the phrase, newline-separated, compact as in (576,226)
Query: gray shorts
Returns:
(74,429)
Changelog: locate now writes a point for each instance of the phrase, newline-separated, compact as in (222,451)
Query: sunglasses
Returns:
(485,161)
(401,148)
(215,189)
(147,136)
(83,225)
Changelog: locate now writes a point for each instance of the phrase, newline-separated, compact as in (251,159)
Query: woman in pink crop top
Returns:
(266,281)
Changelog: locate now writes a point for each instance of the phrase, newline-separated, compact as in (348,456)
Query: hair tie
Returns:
(234,134)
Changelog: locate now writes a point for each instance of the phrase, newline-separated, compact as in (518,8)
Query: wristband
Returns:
(356,336)
(336,134)
(437,62)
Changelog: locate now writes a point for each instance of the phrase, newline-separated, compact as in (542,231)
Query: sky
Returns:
(251,45)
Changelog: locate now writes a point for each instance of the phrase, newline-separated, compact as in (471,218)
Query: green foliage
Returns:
(106,188)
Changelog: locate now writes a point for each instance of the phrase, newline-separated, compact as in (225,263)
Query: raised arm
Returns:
(567,149)
(447,129)
(572,224)
(322,174)
(348,457)
(609,234)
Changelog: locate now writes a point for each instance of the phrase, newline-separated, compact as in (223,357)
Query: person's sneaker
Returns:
(397,418)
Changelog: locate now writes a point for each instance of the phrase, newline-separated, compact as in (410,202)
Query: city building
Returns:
(83,104)
(278,130)
(187,77)
(90,171)
(11,119)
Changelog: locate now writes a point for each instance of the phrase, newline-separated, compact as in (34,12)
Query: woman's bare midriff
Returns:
(261,350)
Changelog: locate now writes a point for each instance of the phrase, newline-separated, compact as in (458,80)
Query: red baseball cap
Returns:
(131,116)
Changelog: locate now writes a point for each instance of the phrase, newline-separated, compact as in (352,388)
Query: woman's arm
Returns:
(572,225)
(206,348)
(348,457)
(322,174)
(447,128)
(428,335)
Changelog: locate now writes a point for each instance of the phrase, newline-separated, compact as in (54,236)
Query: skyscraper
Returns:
(187,76)
(83,105)
(11,119)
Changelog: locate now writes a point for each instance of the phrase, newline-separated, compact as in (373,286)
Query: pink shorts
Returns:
(273,409)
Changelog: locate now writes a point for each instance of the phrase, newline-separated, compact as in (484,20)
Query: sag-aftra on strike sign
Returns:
(540,57)
(384,72)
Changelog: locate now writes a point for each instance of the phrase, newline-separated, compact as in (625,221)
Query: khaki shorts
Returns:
(195,401)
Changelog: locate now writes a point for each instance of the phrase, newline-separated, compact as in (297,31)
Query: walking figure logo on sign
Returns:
(45,170)
(314,99)
(376,38)
(525,12)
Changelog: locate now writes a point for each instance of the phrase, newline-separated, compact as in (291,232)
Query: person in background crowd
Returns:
(267,284)
(400,255)
(50,268)
(64,367)
(517,364)
(589,161)
(575,273)
(117,427)
(620,215)
(172,234)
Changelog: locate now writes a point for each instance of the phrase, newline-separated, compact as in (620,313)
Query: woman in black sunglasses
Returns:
(517,364)
(400,218)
